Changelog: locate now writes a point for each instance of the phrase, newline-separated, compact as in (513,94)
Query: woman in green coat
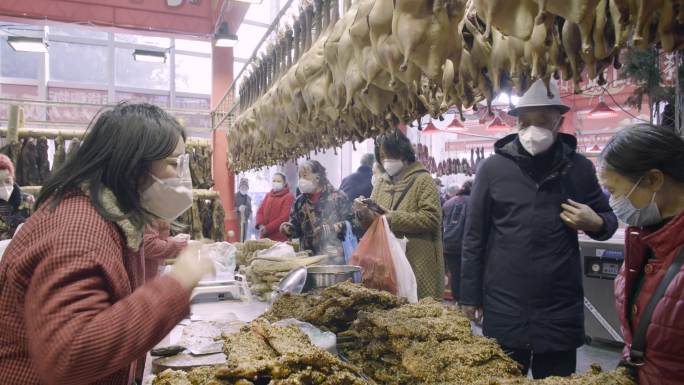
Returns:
(411,201)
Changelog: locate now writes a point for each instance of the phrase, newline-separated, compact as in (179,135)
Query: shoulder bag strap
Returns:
(403,193)
(636,354)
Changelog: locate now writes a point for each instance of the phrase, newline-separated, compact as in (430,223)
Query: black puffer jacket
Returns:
(520,261)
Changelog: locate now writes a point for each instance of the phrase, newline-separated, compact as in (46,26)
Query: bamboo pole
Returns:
(15,121)
(204,194)
(196,193)
(40,132)
(71,134)
(199,142)
(33,190)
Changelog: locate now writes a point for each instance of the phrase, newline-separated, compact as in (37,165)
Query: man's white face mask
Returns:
(537,138)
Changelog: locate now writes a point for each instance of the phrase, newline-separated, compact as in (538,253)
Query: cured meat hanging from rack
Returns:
(204,206)
(27,173)
(73,146)
(60,153)
(218,232)
(43,160)
(196,221)
(200,165)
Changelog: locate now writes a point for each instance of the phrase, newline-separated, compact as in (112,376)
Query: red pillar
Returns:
(224,179)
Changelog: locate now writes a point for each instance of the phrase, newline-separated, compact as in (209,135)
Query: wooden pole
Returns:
(22,132)
(14,123)
(196,193)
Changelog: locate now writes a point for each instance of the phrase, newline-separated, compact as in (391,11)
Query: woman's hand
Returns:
(365,215)
(322,231)
(191,266)
(287,229)
(181,238)
(262,231)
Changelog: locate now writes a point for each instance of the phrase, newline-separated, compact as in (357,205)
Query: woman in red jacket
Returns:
(275,209)
(75,307)
(643,169)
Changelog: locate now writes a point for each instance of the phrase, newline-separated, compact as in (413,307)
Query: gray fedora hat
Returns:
(536,96)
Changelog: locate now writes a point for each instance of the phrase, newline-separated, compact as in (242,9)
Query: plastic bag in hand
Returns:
(223,255)
(374,255)
(383,259)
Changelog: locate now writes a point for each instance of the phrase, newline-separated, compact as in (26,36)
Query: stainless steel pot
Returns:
(319,277)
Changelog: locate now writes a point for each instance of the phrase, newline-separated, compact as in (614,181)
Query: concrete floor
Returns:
(604,355)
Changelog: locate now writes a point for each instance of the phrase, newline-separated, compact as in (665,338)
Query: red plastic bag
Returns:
(374,256)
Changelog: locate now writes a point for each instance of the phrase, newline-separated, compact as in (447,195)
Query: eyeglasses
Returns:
(182,165)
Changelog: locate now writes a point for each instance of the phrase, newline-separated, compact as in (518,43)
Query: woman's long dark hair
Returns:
(396,145)
(640,148)
(116,153)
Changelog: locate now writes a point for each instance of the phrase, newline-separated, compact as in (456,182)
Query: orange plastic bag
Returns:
(374,256)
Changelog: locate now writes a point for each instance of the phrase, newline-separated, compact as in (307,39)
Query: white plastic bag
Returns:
(407,286)
(223,255)
(324,340)
(277,252)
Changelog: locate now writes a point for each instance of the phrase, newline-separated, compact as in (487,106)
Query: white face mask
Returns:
(306,186)
(244,190)
(6,192)
(625,210)
(392,166)
(278,186)
(170,197)
(536,140)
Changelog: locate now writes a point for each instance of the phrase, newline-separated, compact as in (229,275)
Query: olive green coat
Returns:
(418,218)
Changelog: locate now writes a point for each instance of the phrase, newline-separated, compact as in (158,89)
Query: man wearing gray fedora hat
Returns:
(521,266)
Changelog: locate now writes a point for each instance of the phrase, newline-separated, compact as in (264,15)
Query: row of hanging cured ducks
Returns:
(328,79)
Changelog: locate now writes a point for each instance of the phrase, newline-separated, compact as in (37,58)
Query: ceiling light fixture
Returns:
(149,56)
(601,110)
(27,44)
(224,38)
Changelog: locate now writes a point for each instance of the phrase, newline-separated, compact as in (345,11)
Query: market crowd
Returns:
(82,301)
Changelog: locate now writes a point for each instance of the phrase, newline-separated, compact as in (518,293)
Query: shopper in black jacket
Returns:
(454,226)
(521,261)
(359,183)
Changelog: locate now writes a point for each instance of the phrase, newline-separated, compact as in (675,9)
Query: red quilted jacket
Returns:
(274,210)
(665,335)
(74,309)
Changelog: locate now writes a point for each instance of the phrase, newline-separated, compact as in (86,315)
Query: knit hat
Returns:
(6,164)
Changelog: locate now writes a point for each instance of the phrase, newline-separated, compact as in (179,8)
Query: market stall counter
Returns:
(381,339)
(191,343)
